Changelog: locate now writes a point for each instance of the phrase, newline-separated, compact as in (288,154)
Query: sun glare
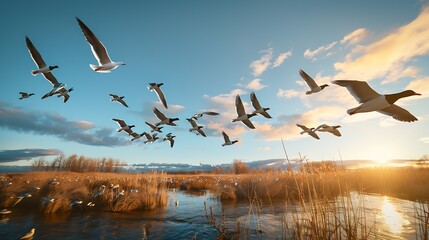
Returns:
(393,219)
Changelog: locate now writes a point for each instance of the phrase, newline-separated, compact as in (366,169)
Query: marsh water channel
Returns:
(184,218)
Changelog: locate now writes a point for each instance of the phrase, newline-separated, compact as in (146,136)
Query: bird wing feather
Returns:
(97,47)
(360,90)
(398,113)
(309,80)
(35,55)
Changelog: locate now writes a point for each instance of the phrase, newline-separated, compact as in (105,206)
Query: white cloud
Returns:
(312,53)
(420,86)
(354,37)
(255,84)
(290,93)
(391,52)
(281,58)
(399,73)
(260,66)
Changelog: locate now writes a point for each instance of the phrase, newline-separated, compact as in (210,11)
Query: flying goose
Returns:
(151,138)
(227,140)
(169,137)
(29,235)
(370,100)
(123,126)
(195,127)
(310,131)
(25,95)
(37,58)
(314,88)
(241,113)
(153,127)
(199,115)
(157,88)
(44,69)
(99,51)
(257,106)
(330,129)
(163,119)
(64,93)
(118,99)
(136,136)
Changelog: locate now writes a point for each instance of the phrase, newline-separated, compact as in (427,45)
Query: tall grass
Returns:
(122,192)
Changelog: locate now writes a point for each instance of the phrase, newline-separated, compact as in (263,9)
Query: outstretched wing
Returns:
(98,49)
(309,80)
(159,114)
(248,123)
(225,137)
(239,106)
(398,113)
(35,55)
(360,90)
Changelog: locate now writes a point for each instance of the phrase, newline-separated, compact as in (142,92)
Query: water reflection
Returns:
(394,219)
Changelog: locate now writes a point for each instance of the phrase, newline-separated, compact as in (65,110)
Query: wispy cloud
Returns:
(350,39)
(46,123)
(260,66)
(26,154)
(311,54)
(421,86)
(354,37)
(281,58)
(391,52)
(424,140)
(290,93)
(255,84)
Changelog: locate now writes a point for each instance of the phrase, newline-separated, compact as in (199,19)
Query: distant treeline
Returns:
(75,163)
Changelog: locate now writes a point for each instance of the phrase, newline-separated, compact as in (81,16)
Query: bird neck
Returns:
(392,98)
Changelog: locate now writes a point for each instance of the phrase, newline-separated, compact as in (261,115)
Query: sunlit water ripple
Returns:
(390,218)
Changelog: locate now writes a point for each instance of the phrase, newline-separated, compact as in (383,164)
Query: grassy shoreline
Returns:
(125,192)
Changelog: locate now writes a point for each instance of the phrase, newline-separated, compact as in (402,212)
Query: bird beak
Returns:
(418,94)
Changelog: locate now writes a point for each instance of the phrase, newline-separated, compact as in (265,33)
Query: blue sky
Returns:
(206,52)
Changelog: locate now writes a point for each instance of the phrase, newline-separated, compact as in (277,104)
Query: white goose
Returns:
(163,119)
(44,69)
(99,51)
(314,88)
(157,88)
(257,106)
(116,98)
(227,140)
(241,113)
(370,100)
(37,58)
(309,131)
(330,129)
(196,127)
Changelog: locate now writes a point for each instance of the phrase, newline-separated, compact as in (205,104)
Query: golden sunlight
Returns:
(393,219)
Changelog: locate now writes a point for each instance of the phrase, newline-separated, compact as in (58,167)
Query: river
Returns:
(184,218)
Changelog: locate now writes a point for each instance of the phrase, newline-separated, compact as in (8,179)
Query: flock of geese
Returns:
(369,99)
